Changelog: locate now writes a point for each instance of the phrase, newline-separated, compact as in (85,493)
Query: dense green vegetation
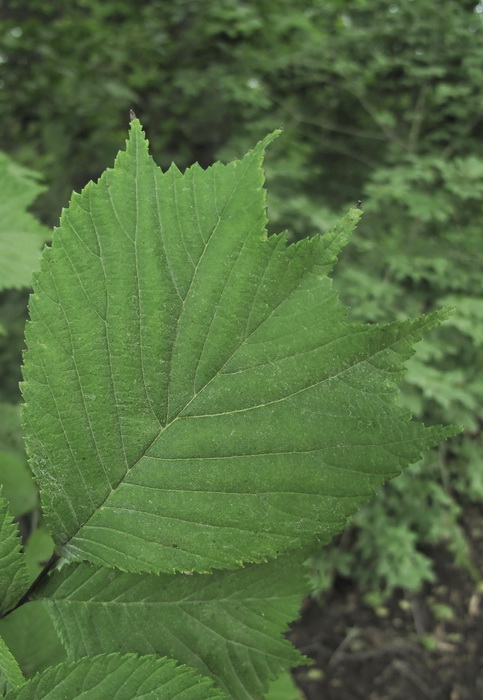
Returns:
(380,101)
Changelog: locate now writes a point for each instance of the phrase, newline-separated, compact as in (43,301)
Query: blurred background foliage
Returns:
(381,102)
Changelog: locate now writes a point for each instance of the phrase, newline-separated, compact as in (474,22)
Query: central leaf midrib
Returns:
(168,425)
(176,416)
(206,242)
(195,602)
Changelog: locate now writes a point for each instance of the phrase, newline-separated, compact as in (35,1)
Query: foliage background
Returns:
(381,102)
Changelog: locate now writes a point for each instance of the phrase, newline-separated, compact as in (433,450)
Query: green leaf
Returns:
(32,639)
(123,677)
(38,551)
(227,625)
(194,396)
(10,428)
(18,486)
(284,688)
(10,673)
(14,579)
(21,235)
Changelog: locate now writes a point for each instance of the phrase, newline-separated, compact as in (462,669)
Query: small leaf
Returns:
(10,673)
(14,579)
(121,677)
(194,396)
(227,625)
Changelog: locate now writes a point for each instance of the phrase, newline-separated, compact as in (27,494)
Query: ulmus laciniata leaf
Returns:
(194,396)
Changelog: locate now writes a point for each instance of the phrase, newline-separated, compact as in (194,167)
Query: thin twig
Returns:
(452,146)
(413,677)
(389,134)
(352,633)
(27,596)
(357,656)
(417,121)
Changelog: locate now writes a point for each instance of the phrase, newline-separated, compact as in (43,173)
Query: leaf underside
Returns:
(194,396)
(227,625)
(121,677)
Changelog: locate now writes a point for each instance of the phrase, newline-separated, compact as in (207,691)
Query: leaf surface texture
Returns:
(114,676)
(194,396)
(228,625)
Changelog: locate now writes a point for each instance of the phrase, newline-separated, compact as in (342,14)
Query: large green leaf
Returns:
(31,637)
(14,578)
(227,625)
(10,673)
(121,677)
(194,397)
(21,235)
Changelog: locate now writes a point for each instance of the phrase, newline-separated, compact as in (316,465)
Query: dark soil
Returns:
(410,649)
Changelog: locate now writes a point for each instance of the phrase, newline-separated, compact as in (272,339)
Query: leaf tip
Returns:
(262,145)
(435,318)
(259,150)
(137,135)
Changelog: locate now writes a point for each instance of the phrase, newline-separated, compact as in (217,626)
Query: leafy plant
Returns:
(199,416)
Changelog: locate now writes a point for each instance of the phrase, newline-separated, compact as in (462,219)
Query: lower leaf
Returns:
(227,625)
(123,677)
